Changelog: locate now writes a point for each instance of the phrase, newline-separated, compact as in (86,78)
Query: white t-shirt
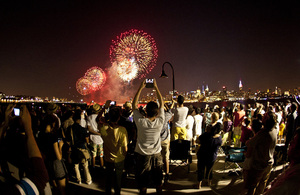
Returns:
(278,120)
(148,133)
(198,124)
(96,139)
(189,127)
(83,121)
(180,114)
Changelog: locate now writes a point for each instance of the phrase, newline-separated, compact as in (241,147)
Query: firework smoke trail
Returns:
(115,89)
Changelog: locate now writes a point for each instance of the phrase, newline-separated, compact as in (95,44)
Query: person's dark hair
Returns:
(271,107)
(151,109)
(256,125)
(242,106)
(114,114)
(77,115)
(180,99)
(198,110)
(270,121)
(246,121)
(191,110)
(227,115)
(229,110)
(259,117)
(68,114)
(248,112)
(49,119)
(293,107)
(277,108)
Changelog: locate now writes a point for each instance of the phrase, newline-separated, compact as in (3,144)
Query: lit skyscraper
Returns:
(240,85)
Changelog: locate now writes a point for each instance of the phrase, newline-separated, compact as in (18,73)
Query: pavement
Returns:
(182,181)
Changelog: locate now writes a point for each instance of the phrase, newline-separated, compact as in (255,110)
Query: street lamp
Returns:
(164,75)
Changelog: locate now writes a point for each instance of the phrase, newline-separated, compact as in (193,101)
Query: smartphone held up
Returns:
(17,111)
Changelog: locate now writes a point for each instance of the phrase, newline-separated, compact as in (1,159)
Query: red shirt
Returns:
(238,117)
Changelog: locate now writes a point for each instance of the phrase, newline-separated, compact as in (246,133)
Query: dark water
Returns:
(245,102)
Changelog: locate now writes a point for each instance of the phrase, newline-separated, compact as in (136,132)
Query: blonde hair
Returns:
(214,117)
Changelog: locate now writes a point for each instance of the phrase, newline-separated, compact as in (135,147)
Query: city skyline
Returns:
(46,47)
(197,94)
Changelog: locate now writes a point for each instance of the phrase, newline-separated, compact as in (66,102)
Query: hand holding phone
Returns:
(17,111)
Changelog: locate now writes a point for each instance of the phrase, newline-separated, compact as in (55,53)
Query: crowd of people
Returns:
(54,145)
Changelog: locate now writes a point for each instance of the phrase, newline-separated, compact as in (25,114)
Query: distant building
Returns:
(240,85)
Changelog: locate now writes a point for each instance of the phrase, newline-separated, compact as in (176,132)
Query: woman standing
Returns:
(210,141)
(51,148)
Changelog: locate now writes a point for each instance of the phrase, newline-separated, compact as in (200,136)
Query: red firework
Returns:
(92,81)
(96,76)
(83,86)
(136,46)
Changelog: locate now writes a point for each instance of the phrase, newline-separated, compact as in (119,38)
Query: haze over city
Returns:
(47,46)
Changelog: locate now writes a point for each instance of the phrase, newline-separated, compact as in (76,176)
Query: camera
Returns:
(17,111)
(149,83)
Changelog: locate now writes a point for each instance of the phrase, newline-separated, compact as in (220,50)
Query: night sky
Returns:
(46,47)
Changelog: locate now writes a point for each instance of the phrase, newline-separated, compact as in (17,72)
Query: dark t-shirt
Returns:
(46,141)
(209,147)
(79,136)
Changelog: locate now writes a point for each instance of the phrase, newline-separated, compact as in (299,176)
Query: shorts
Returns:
(97,150)
(56,169)
(149,166)
(165,151)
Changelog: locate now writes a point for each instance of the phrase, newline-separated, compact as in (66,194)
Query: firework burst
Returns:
(92,81)
(83,86)
(135,50)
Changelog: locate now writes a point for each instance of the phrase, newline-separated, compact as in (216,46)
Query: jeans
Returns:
(114,172)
